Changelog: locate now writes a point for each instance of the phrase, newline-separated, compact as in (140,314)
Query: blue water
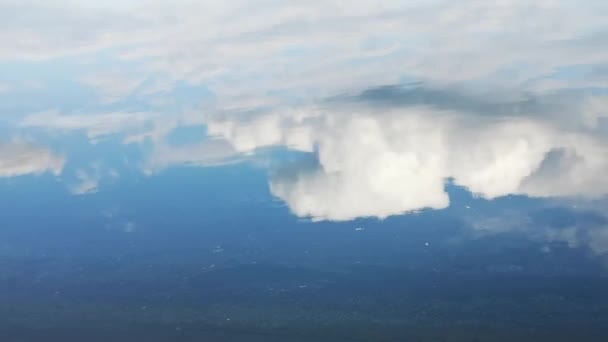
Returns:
(303,171)
(211,261)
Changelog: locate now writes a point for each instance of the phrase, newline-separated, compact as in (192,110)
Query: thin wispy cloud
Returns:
(87,182)
(583,229)
(280,51)
(21,158)
(95,125)
(113,86)
(208,153)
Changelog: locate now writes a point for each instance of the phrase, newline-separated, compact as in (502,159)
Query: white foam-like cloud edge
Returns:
(385,161)
(21,158)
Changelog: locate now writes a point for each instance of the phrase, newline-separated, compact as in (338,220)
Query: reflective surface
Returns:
(282,171)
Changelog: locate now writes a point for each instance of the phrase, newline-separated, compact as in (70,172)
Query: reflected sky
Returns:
(262,129)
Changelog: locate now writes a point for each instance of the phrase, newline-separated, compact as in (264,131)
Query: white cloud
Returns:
(276,51)
(372,162)
(113,86)
(283,126)
(19,158)
(95,126)
(369,168)
(38,30)
(382,160)
(133,126)
(385,161)
(207,153)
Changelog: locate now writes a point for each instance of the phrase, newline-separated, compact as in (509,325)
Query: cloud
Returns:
(283,126)
(270,67)
(137,128)
(134,126)
(113,86)
(390,159)
(367,170)
(281,52)
(386,150)
(88,179)
(39,30)
(582,229)
(95,126)
(20,158)
(88,182)
(207,153)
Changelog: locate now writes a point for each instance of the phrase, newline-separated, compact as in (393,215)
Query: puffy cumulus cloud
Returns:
(371,167)
(280,51)
(19,158)
(386,160)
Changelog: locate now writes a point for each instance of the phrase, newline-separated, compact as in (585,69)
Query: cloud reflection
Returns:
(502,98)
(573,228)
(273,52)
(95,126)
(390,159)
(20,158)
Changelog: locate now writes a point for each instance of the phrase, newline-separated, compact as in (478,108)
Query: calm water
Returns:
(289,171)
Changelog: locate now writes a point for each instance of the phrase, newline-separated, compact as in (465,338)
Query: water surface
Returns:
(319,171)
